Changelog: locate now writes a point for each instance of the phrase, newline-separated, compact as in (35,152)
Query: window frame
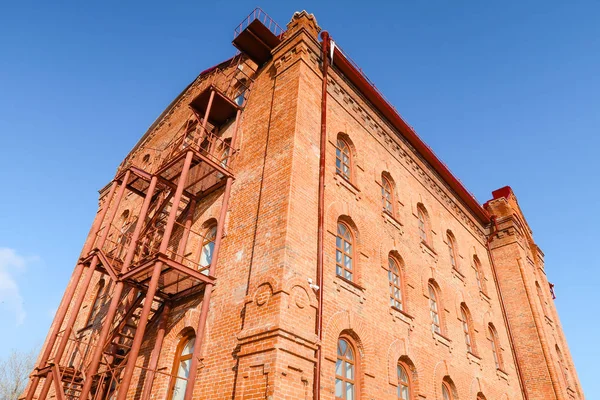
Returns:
(446,387)
(388,197)
(351,255)
(541,297)
(94,304)
(495,346)
(479,275)
(210,236)
(408,383)
(424,225)
(339,153)
(356,365)
(563,366)
(392,261)
(434,292)
(185,339)
(467,326)
(452,250)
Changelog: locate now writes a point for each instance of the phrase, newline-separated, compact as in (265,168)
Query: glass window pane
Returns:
(349,391)
(339,388)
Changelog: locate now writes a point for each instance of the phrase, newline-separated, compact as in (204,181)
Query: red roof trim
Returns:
(358,79)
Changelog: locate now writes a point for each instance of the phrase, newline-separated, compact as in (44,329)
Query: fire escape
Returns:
(157,260)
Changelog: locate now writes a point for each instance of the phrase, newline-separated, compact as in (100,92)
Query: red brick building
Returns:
(281,233)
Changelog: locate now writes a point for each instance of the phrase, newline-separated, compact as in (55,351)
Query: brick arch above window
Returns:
(348,323)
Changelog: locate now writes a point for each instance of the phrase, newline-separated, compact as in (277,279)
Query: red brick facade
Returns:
(260,338)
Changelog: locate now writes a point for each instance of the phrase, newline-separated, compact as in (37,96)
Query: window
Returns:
(387,195)
(495,347)
(403,383)
(433,310)
(208,247)
(423,224)
(344,252)
(343,159)
(446,391)
(452,250)
(541,297)
(345,371)
(181,368)
(395,284)
(467,328)
(563,366)
(96,300)
(479,277)
(146,159)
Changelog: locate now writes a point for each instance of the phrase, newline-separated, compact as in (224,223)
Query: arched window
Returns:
(446,391)
(181,368)
(343,159)
(467,326)
(541,297)
(480,396)
(452,251)
(436,325)
(95,303)
(394,277)
(387,194)
(345,371)
(208,246)
(344,252)
(479,277)
(423,224)
(563,366)
(495,347)
(403,382)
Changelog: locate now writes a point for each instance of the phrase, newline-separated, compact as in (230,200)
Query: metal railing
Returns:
(264,18)
(108,381)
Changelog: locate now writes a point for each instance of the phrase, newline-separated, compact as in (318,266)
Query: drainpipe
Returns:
(325,43)
(494,231)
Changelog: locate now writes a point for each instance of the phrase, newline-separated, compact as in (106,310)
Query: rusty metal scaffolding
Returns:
(155,261)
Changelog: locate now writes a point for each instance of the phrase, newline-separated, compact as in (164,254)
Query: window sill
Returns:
(502,374)
(439,338)
(85,328)
(352,287)
(342,181)
(456,273)
(484,296)
(392,220)
(473,358)
(403,316)
(428,249)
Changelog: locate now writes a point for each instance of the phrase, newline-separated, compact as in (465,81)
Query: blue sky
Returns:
(506,93)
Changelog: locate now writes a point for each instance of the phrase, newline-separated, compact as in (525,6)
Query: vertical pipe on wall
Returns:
(325,43)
